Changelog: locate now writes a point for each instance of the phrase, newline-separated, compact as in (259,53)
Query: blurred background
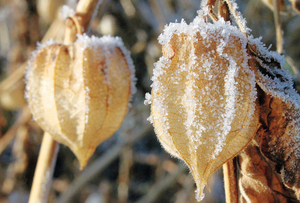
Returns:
(131,166)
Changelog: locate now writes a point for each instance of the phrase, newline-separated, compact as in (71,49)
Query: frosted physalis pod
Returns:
(79,93)
(203,101)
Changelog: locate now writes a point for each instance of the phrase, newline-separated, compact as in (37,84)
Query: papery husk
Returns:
(203,97)
(79,93)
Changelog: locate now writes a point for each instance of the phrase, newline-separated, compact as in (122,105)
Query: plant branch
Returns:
(230,182)
(10,134)
(80,23)
(44,170)
(160,186)
(279,40)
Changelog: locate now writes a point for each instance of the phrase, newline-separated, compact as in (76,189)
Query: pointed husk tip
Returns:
(83,155)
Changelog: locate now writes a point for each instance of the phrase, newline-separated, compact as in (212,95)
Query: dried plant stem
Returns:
(124,172)
(44,170)
(237,17)
(160,186)
(10,134)
(230,182)
(279,40)
(85,11)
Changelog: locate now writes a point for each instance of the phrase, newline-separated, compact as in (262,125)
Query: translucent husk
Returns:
(203,96)
(79,93)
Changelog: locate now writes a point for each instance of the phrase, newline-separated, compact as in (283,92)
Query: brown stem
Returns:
(80,23)
(10,134)
(279,39)
(230,182)
(237,17)
(44,170)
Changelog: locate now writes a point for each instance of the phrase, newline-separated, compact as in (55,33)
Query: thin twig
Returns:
(230,182)
(98,166)
(279,40)
(44,170)
(126,161)
(160,186)
(10,134)
(237,17)
(80,22)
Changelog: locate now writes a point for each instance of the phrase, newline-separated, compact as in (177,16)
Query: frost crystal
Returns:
(147,99)
(66,12)
(110,43)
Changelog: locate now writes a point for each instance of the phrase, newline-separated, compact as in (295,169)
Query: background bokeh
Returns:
(131,166)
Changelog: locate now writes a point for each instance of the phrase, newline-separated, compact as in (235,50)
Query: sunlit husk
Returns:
(80,93)
(203,96)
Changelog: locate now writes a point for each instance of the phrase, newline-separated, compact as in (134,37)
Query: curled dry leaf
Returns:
(258,181)
(79,93)
(203,95)
(278,135)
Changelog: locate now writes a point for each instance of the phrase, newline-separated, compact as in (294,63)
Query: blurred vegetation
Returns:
(131,166)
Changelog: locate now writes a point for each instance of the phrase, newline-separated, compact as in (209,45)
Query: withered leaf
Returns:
(278,136)
(258,182)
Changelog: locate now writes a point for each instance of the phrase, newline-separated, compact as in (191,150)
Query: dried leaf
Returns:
(79,93)
(258,182)
(278,136)
(203,95)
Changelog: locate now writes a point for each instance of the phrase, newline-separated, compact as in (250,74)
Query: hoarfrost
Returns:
(147,99)
(87,100)
(34,54)
(66,12)
(228,116)
(110,43)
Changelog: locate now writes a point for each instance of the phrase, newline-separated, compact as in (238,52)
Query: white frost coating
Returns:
(228,116)
(147,99)
(66,12)
(34,54)
(87,100)
(199,197)
(110,43)
(160,104)
(261,47)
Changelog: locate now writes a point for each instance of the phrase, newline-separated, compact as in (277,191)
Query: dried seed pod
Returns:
(203,95)
(80,93)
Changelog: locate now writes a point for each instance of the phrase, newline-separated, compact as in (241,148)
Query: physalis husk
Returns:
(79,93)
(203,95)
